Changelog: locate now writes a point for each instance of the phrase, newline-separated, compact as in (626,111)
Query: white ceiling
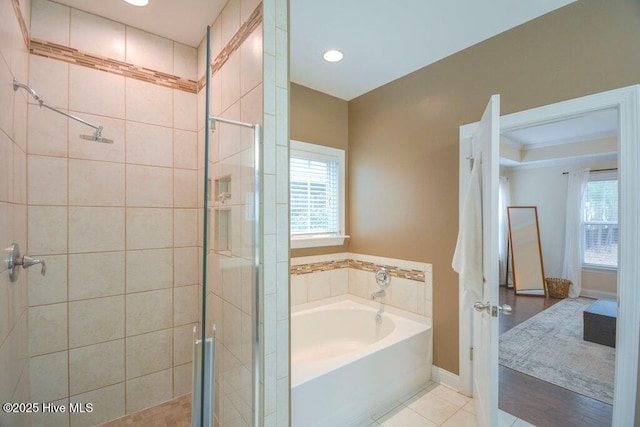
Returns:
(382,40)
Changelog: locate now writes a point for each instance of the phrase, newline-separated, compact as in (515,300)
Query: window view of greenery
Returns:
(313,188)
(601,223)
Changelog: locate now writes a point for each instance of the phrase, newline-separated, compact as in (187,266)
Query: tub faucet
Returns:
(380,293)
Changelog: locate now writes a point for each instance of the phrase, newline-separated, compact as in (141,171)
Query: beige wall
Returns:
(14,358)
(403,137)
(320,119)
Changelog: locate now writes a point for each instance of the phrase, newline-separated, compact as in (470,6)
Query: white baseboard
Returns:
(444,377)
(590,293)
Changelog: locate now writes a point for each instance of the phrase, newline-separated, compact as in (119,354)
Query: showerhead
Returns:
(97,136)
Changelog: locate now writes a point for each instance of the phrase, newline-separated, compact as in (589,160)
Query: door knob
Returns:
(493,309)
(480,306)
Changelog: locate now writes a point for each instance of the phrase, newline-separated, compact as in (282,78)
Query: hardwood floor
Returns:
(538,402)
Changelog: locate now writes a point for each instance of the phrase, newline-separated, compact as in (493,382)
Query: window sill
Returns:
(600,268)
(299,242)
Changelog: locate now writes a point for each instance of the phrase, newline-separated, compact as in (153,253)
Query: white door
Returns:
(486,149)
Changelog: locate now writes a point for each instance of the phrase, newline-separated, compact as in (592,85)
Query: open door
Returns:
(479,289)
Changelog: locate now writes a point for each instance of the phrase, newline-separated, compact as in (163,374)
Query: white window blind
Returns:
(600,221)
(314,195)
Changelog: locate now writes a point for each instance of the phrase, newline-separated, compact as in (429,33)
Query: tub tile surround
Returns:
(110,322)
(318,277)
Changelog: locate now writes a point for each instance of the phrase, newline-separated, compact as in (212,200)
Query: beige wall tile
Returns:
(185,149)
(51,288)
(96,320)
(47,179)
(50,79)
(50,21)
(403,294)
(185,61)
(47,329)
(149,269)
(251,108)
(149,228)
(96,229)
(7,16)
(96,366)
(60,419)
(182,379)
(185,305)
(94,34)
(149,144)
(47,230)
(185,227)
(230,20)
(47,132)
(185,266)
(148,353)
(95,183)
(185,188)
(185,112)
(96,275)
(149,51)
(149,186)
(48,375)
(83,149)
(251,61)
(183,344)
(148,311)
(108,404)
(246,9)
(96,92)
(149,103)
(149,390)
(230,80)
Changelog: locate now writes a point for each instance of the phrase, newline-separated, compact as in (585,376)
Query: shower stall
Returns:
(151,225)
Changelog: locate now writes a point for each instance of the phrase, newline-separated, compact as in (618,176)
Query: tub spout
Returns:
(380,293)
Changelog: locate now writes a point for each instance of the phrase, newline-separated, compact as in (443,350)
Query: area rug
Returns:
(549,346)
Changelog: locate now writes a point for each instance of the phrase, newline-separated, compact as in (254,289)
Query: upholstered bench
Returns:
(599,322)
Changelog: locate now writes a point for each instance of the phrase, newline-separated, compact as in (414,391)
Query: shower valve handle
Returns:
(27,262)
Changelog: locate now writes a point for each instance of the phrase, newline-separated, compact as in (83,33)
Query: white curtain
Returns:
(504,200)
(572,265)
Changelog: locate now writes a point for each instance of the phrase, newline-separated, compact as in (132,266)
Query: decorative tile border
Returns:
(416,275)
(21,22)
(113,66)
(125,69)
(236,41)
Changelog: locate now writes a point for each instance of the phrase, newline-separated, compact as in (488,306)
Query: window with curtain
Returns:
(600,220)
(316,186)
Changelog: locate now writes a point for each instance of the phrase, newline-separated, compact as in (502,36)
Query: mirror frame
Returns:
(543,285)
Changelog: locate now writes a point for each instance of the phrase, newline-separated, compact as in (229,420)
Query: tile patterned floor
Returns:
(434,405)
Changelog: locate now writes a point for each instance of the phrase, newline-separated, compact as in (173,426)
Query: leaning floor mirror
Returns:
(526,251)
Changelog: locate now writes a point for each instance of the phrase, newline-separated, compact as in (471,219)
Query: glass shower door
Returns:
(231,273)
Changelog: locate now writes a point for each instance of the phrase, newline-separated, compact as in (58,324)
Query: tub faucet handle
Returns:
(380,293)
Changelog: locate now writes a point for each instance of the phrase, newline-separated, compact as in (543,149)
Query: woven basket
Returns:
(557,288)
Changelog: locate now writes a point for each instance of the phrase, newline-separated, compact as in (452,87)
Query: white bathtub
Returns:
(345,366)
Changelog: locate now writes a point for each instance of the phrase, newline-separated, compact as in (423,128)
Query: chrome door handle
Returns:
(480,306)
(493,309)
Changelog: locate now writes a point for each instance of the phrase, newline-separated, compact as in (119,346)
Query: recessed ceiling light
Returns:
(333,56)
(138,2)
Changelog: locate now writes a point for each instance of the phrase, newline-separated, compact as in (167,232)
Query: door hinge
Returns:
(471,353)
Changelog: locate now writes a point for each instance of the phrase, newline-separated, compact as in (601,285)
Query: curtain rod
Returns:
(596,170)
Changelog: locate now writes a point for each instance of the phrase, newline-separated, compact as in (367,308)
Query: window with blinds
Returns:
(600,221)
(316,187)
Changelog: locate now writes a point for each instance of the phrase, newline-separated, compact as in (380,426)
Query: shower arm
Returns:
(16,85)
